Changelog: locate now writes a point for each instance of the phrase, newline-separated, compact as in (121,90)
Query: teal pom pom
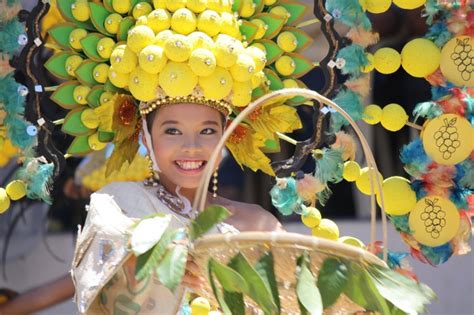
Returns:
(38,177)
(355,58)
(348,12)
(437,255)
(284,196)
(16,129)
(415,159)
(468,178)
(401,223)
(439,34)
(9,34)
(329,166)
(431,10)
(350,102)
(428,110)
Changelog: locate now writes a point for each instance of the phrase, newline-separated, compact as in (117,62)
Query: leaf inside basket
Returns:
(332,280)
(265,268)
(308,293)
(206,220)
(171,269)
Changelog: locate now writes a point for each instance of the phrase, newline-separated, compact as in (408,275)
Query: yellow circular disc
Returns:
(209,22)
(285,65)
(202,61)
(326,229)
(139,37)
(112,23)
(398,196)
(177,79)
(434,221)
(94,142)
(152,59)
(372,114)
(105,46)
(350,240)
(311,217)
(118,79)
(420,57)
(200,40)
(162,37)
(183,21)
(364,183)
(105,97)
(121,6)
(4,200)
(243,69)
(90,119)
(143,85)
(197,6)
(287,41)
(394,117)
(16,189)
(159,20)
(100,72)
(75,38)
(262,28)
(178,48)
(351,171)
(218,85)
(80,10)
(72,63)
(457,61)
(377,6)
(447,139)
(409,4)
(80,93)
(141,9)
(123,59)
(387,60)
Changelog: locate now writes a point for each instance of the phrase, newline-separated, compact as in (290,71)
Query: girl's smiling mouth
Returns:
(190,165)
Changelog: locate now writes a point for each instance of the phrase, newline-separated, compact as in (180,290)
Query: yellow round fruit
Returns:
(80,10)
(262,28)
(247,8)
(351,171)
(241,93)
(226,50)
(121,6)
(229,25)
(420,57)
(394,117)
(457,63)
(201,40)
(118,79)
(258,56)
(123,59)
(243,69)
(105,97)
(202,61)
(112,23)
(257,79)
(141,9)
(372,114)
(220,6)
(16,190)
(143,85)
(105,46)
(80,93)
(178,48)
(173,5)
(177,79)
(152,59)
(326,229)
(72,63)
(75,38)
(311,217)
(281,12)
(159,20)
(183,21)
(209,22)
(90,119)
(363,182)
(370,66)
(142,20)
(218,85)
(409,4)
(197,6)
(139,37)
(290,83)
(377,6)
(4,200)
(94,142)
(287,41)
(162,37)
(285,65)
(398,196)
(159,4)
(101,72)
(200,306)
(387,60)
(434,221)
(349,240)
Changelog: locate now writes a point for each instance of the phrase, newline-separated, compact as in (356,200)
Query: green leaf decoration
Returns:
(274,23)
(84,72)
(235,301)
(296,9)
(63,95)
(124,26)
(304,40)
(264,268)
(275,82)
(298,100)
(271,146)
(206,220)
(89,46)
(73,124)
(170,271)
(257,92)
(218,293)
(258,290)
(230,280)
(248,29)
(148,261)
(64,7)
(108,5)
(303,65)
(259,5)
(79,146)
(60,33)
(405,293)
(93,98)
(307,291)
(98,15)
(57,65)
(105,136)
(236,5)
(332,280)
(273,51)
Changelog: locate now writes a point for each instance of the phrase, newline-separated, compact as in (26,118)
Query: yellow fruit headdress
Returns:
(122,58)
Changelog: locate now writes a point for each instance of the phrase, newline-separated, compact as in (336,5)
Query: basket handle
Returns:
(201,193)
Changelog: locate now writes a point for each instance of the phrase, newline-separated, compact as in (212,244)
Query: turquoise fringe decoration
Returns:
(38,179)
(348,12)
(467,179)
(324,196)
(329,166)
(350,102)
(431,10)
(414,158)
(428,110)
(16,129)
(439,34)
(286,199)
(9,33)
(401,223)
(437,255)
(355,58)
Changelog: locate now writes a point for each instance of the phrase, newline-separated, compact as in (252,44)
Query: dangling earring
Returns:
(214,184)
(153,174)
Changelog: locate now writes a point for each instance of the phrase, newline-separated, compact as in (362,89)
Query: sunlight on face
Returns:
(184,136)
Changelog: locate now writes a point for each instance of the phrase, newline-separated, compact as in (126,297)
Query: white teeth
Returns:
(190,165)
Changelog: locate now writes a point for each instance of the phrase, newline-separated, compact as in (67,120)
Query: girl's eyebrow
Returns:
(210,122)
(169,122)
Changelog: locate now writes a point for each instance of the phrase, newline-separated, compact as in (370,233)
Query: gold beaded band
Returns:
(220,105)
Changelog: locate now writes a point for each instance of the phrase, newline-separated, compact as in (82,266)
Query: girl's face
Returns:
(184,136)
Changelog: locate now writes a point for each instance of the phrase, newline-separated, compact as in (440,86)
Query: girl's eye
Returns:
(208,131)
(172,131)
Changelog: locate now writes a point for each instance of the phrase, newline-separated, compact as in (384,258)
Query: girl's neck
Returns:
(189,193)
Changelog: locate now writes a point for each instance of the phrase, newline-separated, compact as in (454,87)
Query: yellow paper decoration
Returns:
(200,306)
(448,139)
(80,10)
(4,200)
(387,60)
(372,114)
(420,57)
(456,63)
(312,217)
(399,197)
(105,46)
(121,6)
(351,171)
(409,4)
(394,117)
(326,229)
(75,38)
(141,9)
(16,189)
(112,23)
(434,221)
(72,63)
(159,20)
(377,6)
(363,182)
(152,59)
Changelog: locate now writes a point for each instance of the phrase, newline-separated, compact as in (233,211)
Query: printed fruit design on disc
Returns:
(434,221)
(448,139)
(457,61)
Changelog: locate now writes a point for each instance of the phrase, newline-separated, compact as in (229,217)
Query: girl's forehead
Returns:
(187,113)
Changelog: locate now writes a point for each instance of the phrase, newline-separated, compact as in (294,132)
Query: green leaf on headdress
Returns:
(248,29)
(259,5)
(63,96)
(297,100)
(73,124)
(236,5)
(296,9)
(303,65)
(109,87)
(57,65)
(64,7)
(258,92)
(304,40)
(124,26)
(93,98)
(84,73)
(105,136)
(60,33)
(98,16)
(273,51)
(275,81)
(271,146)
(89,46)
(108,5)
(274,23)
(79,146)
